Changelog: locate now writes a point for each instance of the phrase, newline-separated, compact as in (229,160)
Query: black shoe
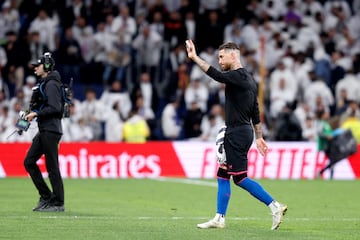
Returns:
(51,208)
(42,203)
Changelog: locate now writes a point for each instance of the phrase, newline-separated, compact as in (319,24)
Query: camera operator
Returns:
(47,106)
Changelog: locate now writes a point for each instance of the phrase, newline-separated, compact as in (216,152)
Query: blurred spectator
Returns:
(19,98)
(182,78)
(83,33)
(172,5)
(157,6)
(141,21)
(99,10)
(287,126)
(292,15)
(118,59)
(18,56)
(157,24)
(102,40)
(188,6)
(211,23)
(3,62)
(70,57)
(232,30)
(136,129)
(81,132)
(175,30)
(211,123)
(283,88)
(76,9)
(356,6)
(145,111)
(350,84)
(196,92)
(315,19)
(351,120)
(322,62)
(356,63)
(46,27)
(250,35)
(148,45)
(318,89)
(254,9)
(174,67)
(116,93)
(342,101)
(273,9)
(142,7)
(352,110)
(338,8)
(37,48)
(309,132)
(353,23)
(309,8)
(275,50)
(212,5)
(171,124)
(124,24)
(302,66)
(346,43)
(338,69)
(3,100)
(192,121)
(75,128)
(6,123)
(147,90)
(30,82)
(190,24)
(114,124)
(302,112)
(68,125)
(92,112)
(9,19)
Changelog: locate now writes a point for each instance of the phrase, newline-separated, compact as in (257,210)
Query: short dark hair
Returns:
(229,45)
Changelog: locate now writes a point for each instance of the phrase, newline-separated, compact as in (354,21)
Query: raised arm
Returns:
(191,52)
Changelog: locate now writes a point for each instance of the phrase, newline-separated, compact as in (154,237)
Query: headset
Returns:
(48,62)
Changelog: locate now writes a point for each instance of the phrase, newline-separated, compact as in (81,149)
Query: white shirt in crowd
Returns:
(171,127)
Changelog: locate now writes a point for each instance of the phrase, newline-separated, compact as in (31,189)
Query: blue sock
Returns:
(223,195)
(256,190)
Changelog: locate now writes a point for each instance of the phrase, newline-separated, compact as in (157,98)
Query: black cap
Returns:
(38,62)
(47,60)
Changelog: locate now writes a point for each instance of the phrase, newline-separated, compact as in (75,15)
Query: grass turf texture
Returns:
(171,208)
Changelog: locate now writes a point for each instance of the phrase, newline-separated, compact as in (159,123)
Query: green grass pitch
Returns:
(170,209)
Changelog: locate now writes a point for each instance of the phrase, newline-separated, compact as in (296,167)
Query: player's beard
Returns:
(225,67)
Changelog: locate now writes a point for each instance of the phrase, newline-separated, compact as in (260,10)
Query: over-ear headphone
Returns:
(48,62)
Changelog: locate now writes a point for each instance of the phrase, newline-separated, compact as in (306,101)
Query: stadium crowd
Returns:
(130,68)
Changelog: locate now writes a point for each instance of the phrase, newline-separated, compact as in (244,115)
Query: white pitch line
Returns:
(187,181)
(146,218)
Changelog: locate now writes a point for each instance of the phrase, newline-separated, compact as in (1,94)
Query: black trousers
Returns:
(330,166)
(46,143)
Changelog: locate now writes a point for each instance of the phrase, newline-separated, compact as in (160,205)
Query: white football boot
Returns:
(278,212)
(217,222)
